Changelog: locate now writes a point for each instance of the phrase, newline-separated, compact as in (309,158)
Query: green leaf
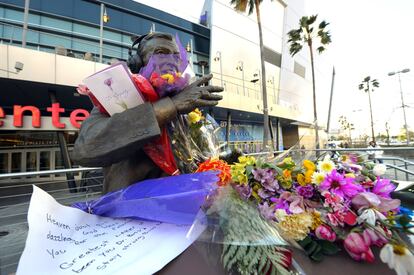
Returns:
(328,248)
(318,257)
(249,170)
(303,243)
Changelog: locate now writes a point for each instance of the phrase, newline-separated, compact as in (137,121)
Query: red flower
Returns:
(217,165)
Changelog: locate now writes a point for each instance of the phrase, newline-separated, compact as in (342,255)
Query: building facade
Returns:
(63,47)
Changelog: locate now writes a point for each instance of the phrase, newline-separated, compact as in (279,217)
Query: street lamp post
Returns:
(25,21)
(365,85)
(104,18)
(407,135)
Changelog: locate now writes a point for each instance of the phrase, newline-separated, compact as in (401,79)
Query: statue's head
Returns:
(153,43)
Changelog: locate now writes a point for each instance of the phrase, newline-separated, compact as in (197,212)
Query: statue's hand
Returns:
(195,95)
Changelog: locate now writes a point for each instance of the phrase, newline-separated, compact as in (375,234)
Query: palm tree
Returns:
(241,6)
(365,85)
(306,34)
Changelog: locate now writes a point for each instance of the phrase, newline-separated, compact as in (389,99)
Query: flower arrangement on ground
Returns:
(328,204)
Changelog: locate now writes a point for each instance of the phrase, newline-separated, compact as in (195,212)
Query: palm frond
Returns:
(250,243)
(320,49)
(323,24)
(311,19)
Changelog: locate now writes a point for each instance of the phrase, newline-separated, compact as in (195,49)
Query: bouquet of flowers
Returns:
(327,204)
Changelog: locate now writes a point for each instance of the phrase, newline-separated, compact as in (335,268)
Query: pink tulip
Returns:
(324,232)
(357,248)
(371,237)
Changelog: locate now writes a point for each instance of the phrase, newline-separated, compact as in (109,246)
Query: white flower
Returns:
(318,177)
(379,169)
(370,216)
(326,166)
(398,258)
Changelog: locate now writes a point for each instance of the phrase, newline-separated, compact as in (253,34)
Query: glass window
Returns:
(83,29)
(33,37)
(44,162)
(13,33)
(85,46)
(53,41)
(16,165)
(4,163)
(55,23)
(58,160)
(13,15)
(2,12)
(34,19)
(31,162)
(112,36)
(112,51)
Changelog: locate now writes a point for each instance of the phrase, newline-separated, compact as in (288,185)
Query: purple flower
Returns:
(383,188)
(263,193)
(305,191)
(340,185)
(368,200)
(244,191)
(108,82)
(267,179)
(280,204)
(267,211)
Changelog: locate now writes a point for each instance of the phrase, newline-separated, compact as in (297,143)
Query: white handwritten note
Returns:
(65,240)
(114,89)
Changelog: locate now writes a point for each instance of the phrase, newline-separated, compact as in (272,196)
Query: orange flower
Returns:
(217,165)
(287,174)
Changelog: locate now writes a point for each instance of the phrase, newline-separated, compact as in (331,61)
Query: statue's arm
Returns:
(106,140)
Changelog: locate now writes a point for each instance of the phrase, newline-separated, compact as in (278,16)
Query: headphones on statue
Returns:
(135,61)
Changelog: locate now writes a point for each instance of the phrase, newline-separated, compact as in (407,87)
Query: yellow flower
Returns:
(295,227)
(195,116)
(168,77)
(309,165)
(288,161)
(308,176)
(316,219)
(301,179)
(246,160)
(349,175)
(318,177)
(326,166)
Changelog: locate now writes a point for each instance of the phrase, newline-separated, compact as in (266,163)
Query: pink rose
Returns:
(357,248)
(324,232)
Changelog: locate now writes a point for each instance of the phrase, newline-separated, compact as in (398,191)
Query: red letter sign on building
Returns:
(1,116)
(55,110)
(74,118)
(18,111)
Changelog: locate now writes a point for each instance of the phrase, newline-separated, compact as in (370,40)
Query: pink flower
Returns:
(368,200)
(340,185)
(383,188)
(371,237)
(357,248)
(324,232)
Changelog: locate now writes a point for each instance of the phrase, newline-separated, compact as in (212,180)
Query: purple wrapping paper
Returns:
(175,199)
